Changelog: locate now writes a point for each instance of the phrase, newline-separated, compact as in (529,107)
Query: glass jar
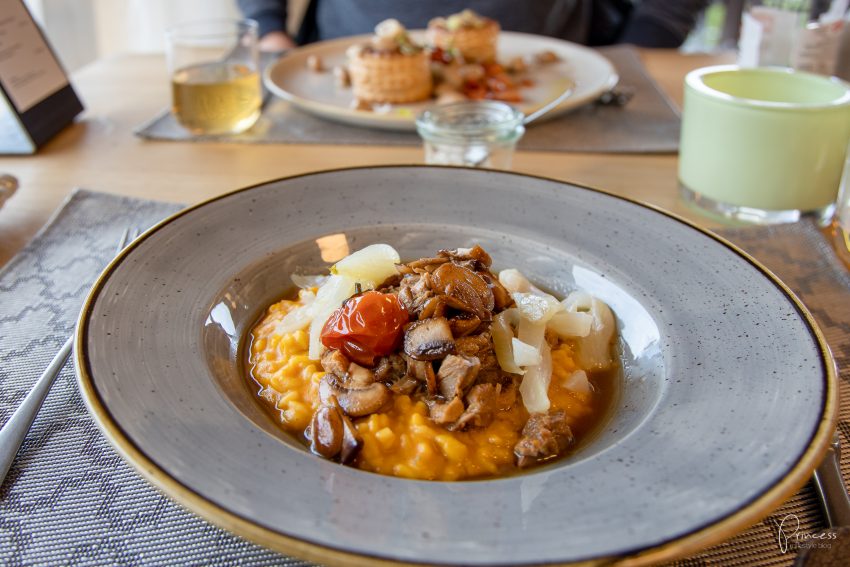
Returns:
(472,134)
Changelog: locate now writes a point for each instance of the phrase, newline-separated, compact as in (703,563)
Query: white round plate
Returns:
(586,71)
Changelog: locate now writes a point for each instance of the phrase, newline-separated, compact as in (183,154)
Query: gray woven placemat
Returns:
(70,499)
(649,123)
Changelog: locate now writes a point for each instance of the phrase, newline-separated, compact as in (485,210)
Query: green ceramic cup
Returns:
(763,145)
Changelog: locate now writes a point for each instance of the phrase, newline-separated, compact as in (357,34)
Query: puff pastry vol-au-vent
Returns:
(468,34)
(391,68)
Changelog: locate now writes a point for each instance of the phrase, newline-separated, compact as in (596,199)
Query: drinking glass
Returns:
(763,145)
(472,134)
(841,219)
(215,79)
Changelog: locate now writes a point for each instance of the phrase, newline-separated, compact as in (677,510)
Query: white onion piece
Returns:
(536,307)
(535,383)
(525,355)
(308,281)
(503,334)
(568,324)
(515,282)
(369,266)
(329,297)
(531,332)
(578,301)
(578,382)
(594,350)
(299,317)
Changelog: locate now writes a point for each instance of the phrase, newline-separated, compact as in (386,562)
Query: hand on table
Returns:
(276,41)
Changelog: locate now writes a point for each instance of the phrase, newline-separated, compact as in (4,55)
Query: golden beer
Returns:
(216,98)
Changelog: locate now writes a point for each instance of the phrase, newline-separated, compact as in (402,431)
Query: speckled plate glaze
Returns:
(727,404)
(584,70)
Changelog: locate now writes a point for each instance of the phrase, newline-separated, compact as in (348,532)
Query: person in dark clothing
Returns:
(647,23)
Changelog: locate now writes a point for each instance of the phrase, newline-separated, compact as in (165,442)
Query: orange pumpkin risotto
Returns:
(442,371)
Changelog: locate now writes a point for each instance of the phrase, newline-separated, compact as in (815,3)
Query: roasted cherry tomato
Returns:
(366,326)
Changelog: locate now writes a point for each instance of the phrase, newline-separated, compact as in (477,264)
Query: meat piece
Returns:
(390,369)
(466,325)
(355,402)
(490,371)
(544,436)
(422,285)
(414,292)
(430,339)
(467,287)
(456,374)
(475,345)
(423,371)
(391,282)
(482,403)
(446,413)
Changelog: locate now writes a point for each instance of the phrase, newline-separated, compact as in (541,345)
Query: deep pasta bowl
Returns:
(725,406)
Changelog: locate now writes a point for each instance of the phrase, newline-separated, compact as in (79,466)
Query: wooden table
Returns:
(99,152)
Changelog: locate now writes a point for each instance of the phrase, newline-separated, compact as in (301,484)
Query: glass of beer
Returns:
(215,79)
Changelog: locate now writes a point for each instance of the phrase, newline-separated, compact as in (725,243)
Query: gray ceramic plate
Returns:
(727,402)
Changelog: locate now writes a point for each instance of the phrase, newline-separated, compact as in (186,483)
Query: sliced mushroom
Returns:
(430,339)
(456,374)
(405,385)
(348,374)
(335,362)
(355,402)
(501,297)
(352,442)
(466,286)
(446,413)
(475,253)
(326,432)
(358,376)
(425,262)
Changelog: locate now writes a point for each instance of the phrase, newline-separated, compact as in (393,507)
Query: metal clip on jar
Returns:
(473,134)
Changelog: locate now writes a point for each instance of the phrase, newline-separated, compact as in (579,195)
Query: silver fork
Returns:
(830,486)
(15,430)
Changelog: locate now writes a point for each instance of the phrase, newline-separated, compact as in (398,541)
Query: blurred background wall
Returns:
(82,31)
